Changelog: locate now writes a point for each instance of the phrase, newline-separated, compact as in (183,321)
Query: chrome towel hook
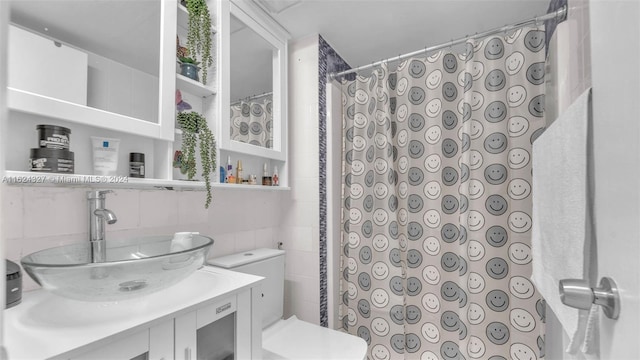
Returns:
(576,293)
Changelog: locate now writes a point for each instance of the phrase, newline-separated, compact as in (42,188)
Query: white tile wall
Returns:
(158,208)
(13,212)
(57,211)
(300,225)
(37,218)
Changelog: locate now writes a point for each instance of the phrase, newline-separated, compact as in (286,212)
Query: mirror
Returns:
(102,54)
(251,86)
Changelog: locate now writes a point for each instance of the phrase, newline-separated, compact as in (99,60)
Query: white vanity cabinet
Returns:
(212,314)
(214,331)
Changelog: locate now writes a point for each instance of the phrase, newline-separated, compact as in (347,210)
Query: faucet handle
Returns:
(98,194)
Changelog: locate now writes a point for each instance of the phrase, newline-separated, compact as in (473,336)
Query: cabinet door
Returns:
(209,333)
(185,337)
(161,341)
(217,331)
(134,347)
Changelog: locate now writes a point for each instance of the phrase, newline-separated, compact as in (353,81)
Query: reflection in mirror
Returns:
(251,86)
(103,53)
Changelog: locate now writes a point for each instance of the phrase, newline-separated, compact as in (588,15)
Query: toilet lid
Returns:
(296,339)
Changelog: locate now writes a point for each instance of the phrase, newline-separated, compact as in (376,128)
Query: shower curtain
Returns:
(436,254)
(252,121)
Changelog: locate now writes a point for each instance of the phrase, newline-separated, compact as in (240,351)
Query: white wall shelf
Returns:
(183,83)
(31,103)
(30,178)
(251,187)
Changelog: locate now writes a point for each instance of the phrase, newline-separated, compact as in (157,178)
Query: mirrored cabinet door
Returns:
(255,120)
(96,62)
(251,88)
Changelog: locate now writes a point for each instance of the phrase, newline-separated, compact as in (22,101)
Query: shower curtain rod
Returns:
(252,97)
(560,15)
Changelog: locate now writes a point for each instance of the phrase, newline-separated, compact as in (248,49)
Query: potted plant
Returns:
(189,68)
(194,127)
(199,34)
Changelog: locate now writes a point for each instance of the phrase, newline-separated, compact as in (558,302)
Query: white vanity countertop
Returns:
(45,325)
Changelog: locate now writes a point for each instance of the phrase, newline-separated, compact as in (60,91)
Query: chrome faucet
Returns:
(98,218)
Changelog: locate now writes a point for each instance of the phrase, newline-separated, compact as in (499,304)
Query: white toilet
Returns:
(291,338)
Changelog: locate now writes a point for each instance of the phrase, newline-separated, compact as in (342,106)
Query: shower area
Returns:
(433,259)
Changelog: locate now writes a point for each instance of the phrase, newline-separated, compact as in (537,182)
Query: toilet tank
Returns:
(268,263)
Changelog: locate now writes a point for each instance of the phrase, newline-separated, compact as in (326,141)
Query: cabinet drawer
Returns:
(215,311)
(132,347)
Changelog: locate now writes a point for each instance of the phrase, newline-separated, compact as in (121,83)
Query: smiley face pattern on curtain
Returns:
(252,122)
(437,203)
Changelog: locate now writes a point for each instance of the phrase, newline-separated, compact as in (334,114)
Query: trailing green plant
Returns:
(194,127)
(199,34)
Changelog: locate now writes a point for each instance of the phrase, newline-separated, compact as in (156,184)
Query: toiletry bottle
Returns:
(223,175)
(136,165)
(239,172)
(229,170)
(275,181)
(266,179)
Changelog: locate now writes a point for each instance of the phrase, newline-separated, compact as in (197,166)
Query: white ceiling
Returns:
(364,31)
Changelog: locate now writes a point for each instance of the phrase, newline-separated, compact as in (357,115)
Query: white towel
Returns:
(591,334)
(560,244)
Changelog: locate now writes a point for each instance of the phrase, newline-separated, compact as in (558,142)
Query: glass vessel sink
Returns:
(133,267)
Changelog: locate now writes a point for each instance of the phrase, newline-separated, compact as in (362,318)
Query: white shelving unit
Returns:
(156,137)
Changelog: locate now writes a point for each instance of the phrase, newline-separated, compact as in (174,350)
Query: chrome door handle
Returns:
(577,293)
